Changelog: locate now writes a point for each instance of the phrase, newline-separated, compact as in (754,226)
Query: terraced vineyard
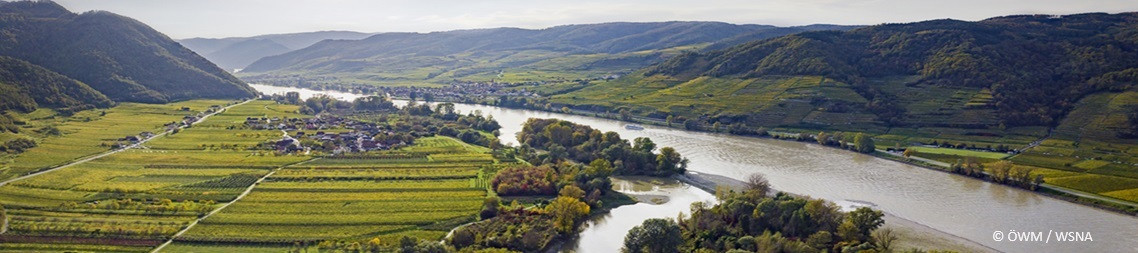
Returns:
(89,132)
(356,198)
(136,199)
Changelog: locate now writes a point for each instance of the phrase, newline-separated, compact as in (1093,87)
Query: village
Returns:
(314,134)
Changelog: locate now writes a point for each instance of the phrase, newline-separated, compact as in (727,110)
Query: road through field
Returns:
(104,154)
(223,206)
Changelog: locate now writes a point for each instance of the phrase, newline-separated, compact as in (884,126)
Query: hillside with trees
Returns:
(1048,93)
(125,60)
(1036,67)
(25,87)
(567,52)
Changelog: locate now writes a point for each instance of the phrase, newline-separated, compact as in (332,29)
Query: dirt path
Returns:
(1088,195)
(223,206)
(104,154)
(1035,143)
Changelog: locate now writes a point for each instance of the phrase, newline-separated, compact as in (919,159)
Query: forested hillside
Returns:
(121,58)
(1036,67)
(569,51)
(24,87)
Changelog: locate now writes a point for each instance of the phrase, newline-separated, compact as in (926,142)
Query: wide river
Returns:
(957,205)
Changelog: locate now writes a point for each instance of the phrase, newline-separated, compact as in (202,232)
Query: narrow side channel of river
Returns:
(954,204)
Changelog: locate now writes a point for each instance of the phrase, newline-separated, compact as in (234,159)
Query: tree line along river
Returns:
(956,205)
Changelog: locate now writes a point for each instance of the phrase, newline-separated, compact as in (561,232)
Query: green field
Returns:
(90,132)
(135,199)
(333,198)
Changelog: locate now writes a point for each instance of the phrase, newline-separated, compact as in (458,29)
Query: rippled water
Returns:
(954,204)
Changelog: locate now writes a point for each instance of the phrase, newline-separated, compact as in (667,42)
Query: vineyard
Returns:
(408,192)
(90,132)
(136,199)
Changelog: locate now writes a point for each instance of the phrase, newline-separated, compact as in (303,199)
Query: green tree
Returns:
(490,207)
(669,161)
(691,125)
(864,143)
(572,191)
(1000,171)
(865,220)
(644,144)
(292,97)
(654,236)
(599,168)
(372,103)
(822,138)
(625,114)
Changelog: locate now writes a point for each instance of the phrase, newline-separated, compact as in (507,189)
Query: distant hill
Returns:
(241,54)
(121,58)
(484,53)
(238,52)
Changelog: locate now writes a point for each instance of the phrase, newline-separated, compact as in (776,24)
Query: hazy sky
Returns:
(223,18)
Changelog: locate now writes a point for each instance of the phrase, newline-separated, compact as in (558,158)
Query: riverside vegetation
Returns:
(754,221)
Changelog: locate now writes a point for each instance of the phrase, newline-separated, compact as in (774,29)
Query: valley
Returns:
(575,126)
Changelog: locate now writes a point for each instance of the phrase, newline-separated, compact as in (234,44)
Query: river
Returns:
(954,204)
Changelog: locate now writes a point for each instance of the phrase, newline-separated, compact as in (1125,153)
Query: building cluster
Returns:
(351,136)
(460,90)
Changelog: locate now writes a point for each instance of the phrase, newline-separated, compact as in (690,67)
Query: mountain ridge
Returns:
(237,52)
(120,57)
(461,54)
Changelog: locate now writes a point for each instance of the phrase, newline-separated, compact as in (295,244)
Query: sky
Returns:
(240,18)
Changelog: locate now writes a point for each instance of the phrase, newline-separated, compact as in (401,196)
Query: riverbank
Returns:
(911,234)
(1060,193)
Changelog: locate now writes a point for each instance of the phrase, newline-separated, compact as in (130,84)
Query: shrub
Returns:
(19,145)
(524,180)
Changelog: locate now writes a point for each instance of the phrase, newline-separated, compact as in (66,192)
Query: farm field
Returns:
(357,199)
(952,155)
(1084,144)
(134,200)
(90,132)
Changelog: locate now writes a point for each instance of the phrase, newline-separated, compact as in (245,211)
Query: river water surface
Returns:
(957,205)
